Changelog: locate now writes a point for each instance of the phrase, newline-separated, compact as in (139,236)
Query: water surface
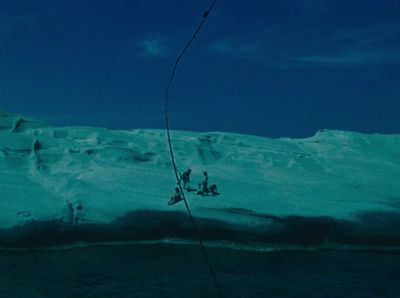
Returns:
(170,270)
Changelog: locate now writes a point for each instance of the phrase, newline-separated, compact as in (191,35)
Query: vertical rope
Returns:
(171,78)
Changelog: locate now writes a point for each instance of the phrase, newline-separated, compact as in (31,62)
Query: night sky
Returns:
(269,68)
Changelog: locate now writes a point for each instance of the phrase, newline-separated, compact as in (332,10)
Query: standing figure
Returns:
(186,179)
(205,183)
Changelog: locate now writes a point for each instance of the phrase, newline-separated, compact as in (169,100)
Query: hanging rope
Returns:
(176,172)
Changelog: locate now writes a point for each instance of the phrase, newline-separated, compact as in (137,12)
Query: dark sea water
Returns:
(171,270)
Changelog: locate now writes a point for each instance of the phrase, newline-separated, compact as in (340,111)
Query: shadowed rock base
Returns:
(373,229)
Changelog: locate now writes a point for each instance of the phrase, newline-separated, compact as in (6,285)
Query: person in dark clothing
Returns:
(213,189)
(186,179)
(206,190)
(205,183)
(176,197)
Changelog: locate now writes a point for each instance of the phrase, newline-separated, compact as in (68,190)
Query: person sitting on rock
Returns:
(204,189)
(213,189)
(176,197)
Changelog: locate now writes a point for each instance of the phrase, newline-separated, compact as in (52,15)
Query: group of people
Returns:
(203,188)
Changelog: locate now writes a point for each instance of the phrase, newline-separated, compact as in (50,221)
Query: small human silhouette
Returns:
(186,178)
(176,197)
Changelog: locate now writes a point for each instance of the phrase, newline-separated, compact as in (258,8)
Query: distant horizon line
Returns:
(317,131)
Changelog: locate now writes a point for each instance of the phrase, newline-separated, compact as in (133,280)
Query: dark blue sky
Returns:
(271,68)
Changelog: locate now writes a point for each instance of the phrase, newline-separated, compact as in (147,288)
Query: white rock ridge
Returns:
(62,184)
